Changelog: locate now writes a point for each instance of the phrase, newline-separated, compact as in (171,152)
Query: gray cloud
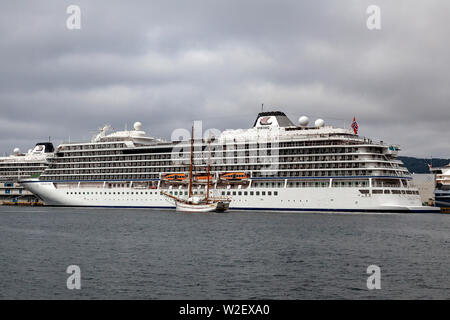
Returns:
(166,63)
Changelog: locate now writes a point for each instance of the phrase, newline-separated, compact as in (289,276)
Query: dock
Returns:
(22,203)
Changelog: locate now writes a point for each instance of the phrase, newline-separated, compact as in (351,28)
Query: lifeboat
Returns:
(175,177)
(203,178)
(234,176)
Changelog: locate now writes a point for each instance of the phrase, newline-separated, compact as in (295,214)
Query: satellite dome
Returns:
(137,126)
(319,123)
(16,151)
(303,121)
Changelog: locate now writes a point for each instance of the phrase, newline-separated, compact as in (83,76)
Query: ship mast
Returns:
(208,171)
(190,162)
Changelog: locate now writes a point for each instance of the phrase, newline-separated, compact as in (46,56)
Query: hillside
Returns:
(420,165)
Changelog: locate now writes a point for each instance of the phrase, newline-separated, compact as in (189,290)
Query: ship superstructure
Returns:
(442,190)
(20,166)
(275,165)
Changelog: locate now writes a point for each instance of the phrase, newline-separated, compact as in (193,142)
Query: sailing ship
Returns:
(196,203)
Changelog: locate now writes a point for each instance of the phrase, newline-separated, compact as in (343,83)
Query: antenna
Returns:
(262,107)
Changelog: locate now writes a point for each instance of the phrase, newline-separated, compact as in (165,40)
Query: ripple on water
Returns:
(144,254)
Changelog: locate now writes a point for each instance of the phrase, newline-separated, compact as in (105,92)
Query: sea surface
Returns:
(151,254)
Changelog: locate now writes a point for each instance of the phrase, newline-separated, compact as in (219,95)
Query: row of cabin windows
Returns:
(156,176)
(92,146)
(386,191)
(176,193)
(98,177)
(112,193)
(6,166)
(251,193)
(219,153)
(141,160)
(291,173)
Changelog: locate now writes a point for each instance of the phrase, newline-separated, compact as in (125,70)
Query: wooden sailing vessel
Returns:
(196,203)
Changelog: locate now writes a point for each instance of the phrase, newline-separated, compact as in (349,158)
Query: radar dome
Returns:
(303,121)
(319,123)
(137,126)
(16,151)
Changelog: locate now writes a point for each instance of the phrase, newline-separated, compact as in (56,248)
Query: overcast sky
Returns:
(166,63)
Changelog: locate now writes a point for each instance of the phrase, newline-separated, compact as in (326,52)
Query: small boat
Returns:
(195,203)
(200,204)
(203,179)
(234,176)
(175,177)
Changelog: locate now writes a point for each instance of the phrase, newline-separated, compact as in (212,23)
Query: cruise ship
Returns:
(275,165)
(442,190)
(19,166)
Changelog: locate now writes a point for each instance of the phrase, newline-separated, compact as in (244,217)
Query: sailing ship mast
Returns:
(199,205)
(190,162)
(208,171)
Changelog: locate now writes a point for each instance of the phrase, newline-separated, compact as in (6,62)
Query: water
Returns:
(147,254)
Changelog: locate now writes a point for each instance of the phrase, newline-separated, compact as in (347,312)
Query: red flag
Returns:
(355,126)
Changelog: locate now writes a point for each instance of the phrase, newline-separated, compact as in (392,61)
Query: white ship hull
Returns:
(345,199)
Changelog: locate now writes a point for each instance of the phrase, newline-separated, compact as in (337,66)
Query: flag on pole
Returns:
(355,126)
